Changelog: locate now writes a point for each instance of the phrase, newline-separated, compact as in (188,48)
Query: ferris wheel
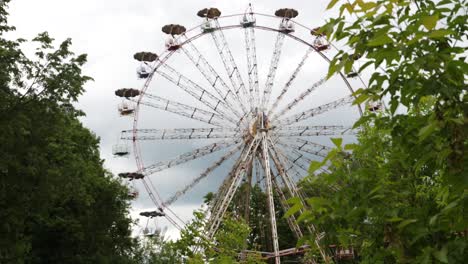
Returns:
(259,121)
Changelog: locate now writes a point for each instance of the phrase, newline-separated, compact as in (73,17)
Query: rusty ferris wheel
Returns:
(265,135)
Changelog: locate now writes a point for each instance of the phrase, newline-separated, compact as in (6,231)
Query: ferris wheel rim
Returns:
(167,54)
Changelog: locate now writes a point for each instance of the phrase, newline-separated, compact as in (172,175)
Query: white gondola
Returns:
(120,150)
(126,108)
(143,71)
(172,43)
(286,26)
(321,44)
(374,106)
(207,26)
(248,20)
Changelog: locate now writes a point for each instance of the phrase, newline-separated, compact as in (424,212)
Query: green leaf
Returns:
(332,4)
(440,33)
(427,130)
(294,209)
(337,141)
(317,202)
(441,255)
(379,41)
(351,146)
(360,99)
(406,222)
(394,219)
(315,165)
(430,22)
(305,216)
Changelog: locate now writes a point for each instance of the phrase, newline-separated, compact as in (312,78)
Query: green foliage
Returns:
(194,247)
(58,203)
(401,196)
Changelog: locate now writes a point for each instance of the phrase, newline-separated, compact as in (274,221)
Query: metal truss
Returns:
(295,192)
(269,191)
(203,175)
(314,111)
(196,91)
(227,94)
(252,66)
(308,131)
(179,133)
(290,81)
(229,63)
(197,153)
(183,110)
(217,216)
(272,71)
(300,98)
(263,143)
(309,147)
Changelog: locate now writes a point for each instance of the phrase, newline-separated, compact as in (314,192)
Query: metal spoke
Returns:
(307,131)
(292,221)
(229,63)
(222,89)
(252,66)
(307,147)
(217,215)
(315,111)
(295,192)
(195,181)
(272,71)
(269,191)
(183,110)
(300,98)
(196,91)
(290,81)
(179,133)
(195,154)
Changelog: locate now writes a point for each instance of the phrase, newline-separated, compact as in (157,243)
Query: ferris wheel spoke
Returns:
(179,133)
(295,192)
(315,111)
(221,192)
(203,175)
(287,180)
(158,204)
(229,63)
(308,147)
(290,81)
(292,221)
(189,156)
(252,65)
(183,110)
(309,131)
(210,74)
(196,91)
(218,212)
(300,98)
(272,71)
(269,191)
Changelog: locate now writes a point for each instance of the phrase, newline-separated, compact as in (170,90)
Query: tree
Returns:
(400,196)
(58,203)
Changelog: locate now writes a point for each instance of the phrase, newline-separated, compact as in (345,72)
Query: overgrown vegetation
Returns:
(401,196)
(58,204)
(398,195)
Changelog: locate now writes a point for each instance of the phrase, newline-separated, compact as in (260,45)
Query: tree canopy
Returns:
(59,205)
(400,195)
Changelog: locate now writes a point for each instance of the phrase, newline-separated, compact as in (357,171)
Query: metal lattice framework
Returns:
(271,141)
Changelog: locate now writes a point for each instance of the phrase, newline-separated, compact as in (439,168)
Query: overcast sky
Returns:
(110,32)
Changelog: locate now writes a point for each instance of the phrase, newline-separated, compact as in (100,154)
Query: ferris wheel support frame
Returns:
(227,109)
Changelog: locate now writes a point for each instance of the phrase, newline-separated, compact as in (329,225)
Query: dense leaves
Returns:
(58,203)
(401,196)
